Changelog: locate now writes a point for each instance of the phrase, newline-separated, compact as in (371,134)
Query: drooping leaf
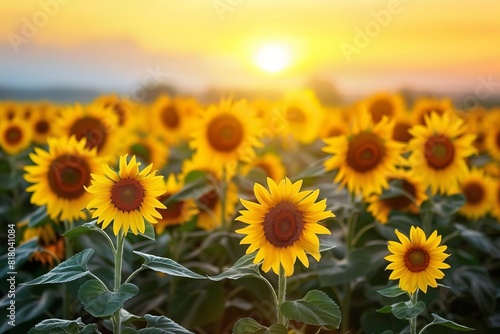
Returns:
(196,184)
(479,240)
(100,302)
(326,243)
(450,324)
(276,329)
(407,310)
(79,230)
(36,217)
(244,267)
(60,326)
(167,266)
(23,253)
(316,308)
(162,325)
(247,326)
(392,291)
(73,268)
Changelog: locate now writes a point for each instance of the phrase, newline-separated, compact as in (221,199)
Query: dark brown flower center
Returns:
(225,133)
(119,109)
(381,108)
(174,210)
(283,224)
(365,152)
(497,139)
(295,115)
(141,151)
(401,202)
(401,132)
(170,116)
(209,200)
(42,126)
(67,176)
(474,192)
(13,135)
(439,151)
(416,259)
(91,129)
(127,194)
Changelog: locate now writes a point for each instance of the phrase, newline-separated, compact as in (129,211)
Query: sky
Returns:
(361,46)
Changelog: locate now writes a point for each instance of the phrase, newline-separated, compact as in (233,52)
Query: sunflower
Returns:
(126,197)
(8,110)
(402,126)
(439,150)
(384,104)
(271,164)
(495,211)
(333,124)
(283,225)
(209,203)
(59,177)
(303,114)
(476,124)
(52,245)
(178,212)
(227,133)
(190,110)
(417,261)
(479,194)
(98,125)
(15,135)
(492,140)
(168,119)
(413,195)
(42,122)
(120,106)
(425,106)
(147,148)
(365,157)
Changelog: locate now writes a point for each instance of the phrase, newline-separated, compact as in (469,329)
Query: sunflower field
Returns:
(250,216)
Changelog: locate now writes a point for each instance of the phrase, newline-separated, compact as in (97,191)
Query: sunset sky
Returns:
(442,46)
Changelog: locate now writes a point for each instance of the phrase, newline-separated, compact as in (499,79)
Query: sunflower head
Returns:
(283,225)
(365,157)
(126,197)
(15,135)
(439,150)
(424,107)
(384,105)
(478,189)
(227,133)
(60,175)
(51,244)
(416,261)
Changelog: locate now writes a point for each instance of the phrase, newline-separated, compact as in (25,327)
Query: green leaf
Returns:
(406,310)
(385,309)
(196,184)
(73,268)
(326,243)
(448,323)
(162,325)
(149,232)
(36,217)
(167,266)
(479,240)
(247,326)
(23,253)
(387,332)
(448,206)
(100,302)
(60,326)
(276,329)
(244,267)
(79,230)
(392,291)
(316,308)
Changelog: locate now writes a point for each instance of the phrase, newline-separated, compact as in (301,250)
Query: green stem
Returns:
(281,294)
(361,232)
(346,308)
(427,222)
(117,324)
(413,321)
(223,196)
(68,252)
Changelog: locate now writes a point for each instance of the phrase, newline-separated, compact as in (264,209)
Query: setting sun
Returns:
(272,58)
